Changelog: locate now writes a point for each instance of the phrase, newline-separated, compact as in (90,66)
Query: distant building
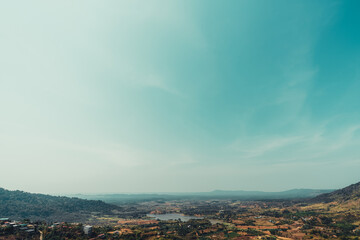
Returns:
(88,230)
(30,231)
(2,220)
(54,225)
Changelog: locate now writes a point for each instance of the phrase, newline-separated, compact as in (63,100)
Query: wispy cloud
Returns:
(321,145)
(255,147)
(158,82)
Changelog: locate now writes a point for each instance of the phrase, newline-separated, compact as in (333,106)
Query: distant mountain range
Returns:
(289,194)
(217,194)
(22,205)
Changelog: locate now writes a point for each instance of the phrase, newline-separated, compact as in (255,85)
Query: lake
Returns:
(172,216)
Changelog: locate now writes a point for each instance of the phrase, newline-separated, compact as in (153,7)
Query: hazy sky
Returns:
(147,96)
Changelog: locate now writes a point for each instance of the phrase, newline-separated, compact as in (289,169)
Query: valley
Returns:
(334,215)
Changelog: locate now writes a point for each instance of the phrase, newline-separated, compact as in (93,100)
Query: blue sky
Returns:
(148,96)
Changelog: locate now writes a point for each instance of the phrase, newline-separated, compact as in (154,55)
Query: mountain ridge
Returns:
(221,194)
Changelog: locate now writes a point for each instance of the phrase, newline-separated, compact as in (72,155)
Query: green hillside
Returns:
(21,205)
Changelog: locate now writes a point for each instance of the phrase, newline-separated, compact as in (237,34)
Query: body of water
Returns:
(172,216)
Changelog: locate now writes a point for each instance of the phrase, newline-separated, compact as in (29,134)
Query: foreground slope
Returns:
(20,205)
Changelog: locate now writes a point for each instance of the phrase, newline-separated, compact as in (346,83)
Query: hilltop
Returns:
(21,205)
(349,193)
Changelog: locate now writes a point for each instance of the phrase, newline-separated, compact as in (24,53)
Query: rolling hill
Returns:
(21,205)
(349,193)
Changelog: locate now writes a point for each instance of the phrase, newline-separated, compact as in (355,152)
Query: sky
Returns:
(179,96)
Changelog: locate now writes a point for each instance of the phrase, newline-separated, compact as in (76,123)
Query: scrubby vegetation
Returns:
(20,205)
